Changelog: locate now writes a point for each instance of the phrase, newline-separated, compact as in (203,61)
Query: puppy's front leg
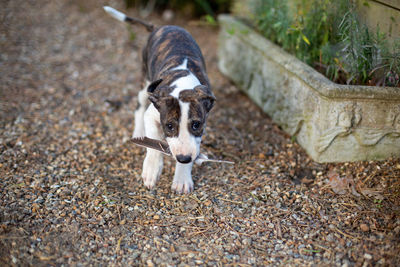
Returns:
(153,162)
(183,182)
(139,130)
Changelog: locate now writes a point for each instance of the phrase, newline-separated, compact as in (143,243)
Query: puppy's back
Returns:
(167,47)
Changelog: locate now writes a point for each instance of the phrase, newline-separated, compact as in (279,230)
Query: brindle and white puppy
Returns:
(180,99)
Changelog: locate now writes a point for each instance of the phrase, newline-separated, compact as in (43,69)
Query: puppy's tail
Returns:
(122,17)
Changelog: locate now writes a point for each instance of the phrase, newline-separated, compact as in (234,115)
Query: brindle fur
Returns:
(167,48)
(169,109)
(170,113)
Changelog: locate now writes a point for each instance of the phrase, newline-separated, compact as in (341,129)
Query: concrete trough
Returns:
(332,122)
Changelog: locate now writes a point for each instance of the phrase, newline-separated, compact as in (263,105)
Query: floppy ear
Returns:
(152,96)
(154,99)
(154,85)
(206,97)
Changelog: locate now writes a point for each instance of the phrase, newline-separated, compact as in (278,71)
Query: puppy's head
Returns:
(182,119)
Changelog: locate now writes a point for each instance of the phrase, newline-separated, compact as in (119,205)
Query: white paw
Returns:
(182,186)
(152,167)
(183,182)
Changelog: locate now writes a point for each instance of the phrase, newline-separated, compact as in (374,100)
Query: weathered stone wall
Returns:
(332,122)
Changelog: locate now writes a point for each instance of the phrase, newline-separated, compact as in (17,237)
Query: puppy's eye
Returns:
(196,125)
(170,126)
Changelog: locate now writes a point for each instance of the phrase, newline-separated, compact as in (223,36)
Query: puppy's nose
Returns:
(183,158)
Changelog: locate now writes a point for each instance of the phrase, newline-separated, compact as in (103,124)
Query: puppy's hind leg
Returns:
(140,110)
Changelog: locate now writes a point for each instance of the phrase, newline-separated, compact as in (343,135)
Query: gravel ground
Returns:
(71,192)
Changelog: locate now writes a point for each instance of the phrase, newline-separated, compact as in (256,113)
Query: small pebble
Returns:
(207,203)
(364,227)
(367,256)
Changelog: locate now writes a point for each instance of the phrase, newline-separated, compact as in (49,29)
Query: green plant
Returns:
(210,20)
(388,70)
(339,46)
(302,34)
(132,34)
(378,203)
(364,57)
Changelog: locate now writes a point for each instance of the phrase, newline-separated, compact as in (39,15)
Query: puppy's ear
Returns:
(155,100)
(154,85)
(153,97)
(205,96)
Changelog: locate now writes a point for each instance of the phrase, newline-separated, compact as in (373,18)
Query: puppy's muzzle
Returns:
(183,158)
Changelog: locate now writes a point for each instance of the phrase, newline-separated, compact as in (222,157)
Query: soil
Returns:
(71,192)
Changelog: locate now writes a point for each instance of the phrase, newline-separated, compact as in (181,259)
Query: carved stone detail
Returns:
(347,120)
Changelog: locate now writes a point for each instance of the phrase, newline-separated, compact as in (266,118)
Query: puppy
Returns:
(175,102)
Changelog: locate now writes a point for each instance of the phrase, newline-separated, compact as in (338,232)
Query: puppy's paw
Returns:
(152,168)
(182,186)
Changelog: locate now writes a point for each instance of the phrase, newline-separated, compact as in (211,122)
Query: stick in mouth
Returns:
(163,147)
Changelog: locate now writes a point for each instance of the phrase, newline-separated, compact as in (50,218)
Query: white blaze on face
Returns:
(185,144)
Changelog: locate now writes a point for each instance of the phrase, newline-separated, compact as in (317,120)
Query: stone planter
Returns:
(332,122)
